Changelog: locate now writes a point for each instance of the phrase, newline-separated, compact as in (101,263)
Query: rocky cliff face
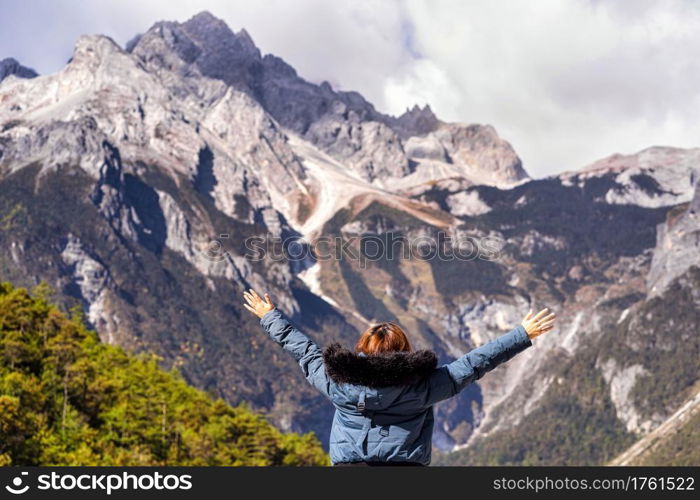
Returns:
(677,246)
(134,181)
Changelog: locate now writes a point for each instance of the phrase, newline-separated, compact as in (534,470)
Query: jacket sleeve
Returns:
(449,379)
(304,350)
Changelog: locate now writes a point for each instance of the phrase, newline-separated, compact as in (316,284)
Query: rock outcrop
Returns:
(11,66)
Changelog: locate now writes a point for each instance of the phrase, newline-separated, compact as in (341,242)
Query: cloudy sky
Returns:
(566,82)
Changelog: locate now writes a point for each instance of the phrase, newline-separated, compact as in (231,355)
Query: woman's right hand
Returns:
(257,305)
(539,323)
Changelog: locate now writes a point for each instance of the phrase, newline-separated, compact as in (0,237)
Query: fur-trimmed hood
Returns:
(378,370)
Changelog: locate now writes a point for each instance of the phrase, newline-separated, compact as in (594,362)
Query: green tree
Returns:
(68,399)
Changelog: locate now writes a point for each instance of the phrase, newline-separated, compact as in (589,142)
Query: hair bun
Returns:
(379,329)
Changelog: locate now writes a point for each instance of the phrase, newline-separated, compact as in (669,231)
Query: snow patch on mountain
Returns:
(467,203)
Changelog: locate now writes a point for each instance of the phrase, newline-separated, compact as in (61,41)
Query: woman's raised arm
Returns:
(292,340)
(449,379)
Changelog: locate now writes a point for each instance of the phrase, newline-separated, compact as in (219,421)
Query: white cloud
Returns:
(566,82)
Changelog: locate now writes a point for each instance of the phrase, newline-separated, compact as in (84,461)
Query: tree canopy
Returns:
(68,399)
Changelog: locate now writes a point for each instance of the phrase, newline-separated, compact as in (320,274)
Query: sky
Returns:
(566,82)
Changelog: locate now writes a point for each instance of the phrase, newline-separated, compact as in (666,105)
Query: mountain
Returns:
(10,66)
(628,358)
(68,399)
(377,147)
(153,184)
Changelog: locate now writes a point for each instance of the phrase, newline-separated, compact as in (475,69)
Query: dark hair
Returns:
(383,337)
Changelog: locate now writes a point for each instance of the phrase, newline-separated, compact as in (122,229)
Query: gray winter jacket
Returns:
(384,403)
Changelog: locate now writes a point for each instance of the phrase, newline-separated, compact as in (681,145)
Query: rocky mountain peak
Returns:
(416,121)
(218,41)
(417,112)
(343,124)
(653,177)
(205,19)
(246,40)
(93,50)
(651,157)
(11,66)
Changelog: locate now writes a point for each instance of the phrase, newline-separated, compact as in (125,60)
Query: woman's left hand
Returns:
(538,324)
(256,305)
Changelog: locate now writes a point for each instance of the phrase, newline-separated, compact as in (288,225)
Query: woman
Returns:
(384,392)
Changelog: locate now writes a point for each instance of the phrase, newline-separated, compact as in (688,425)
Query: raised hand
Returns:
(256,305)
(539,323)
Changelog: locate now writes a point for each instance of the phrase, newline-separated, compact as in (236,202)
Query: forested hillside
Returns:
(68,399)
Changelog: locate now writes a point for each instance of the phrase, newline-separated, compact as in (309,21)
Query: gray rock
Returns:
(10,66)
(677,247)
(416,121)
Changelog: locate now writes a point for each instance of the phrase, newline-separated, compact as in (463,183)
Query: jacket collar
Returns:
(378,370)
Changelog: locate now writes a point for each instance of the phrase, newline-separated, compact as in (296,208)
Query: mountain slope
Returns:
(633,366)
(673,443)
